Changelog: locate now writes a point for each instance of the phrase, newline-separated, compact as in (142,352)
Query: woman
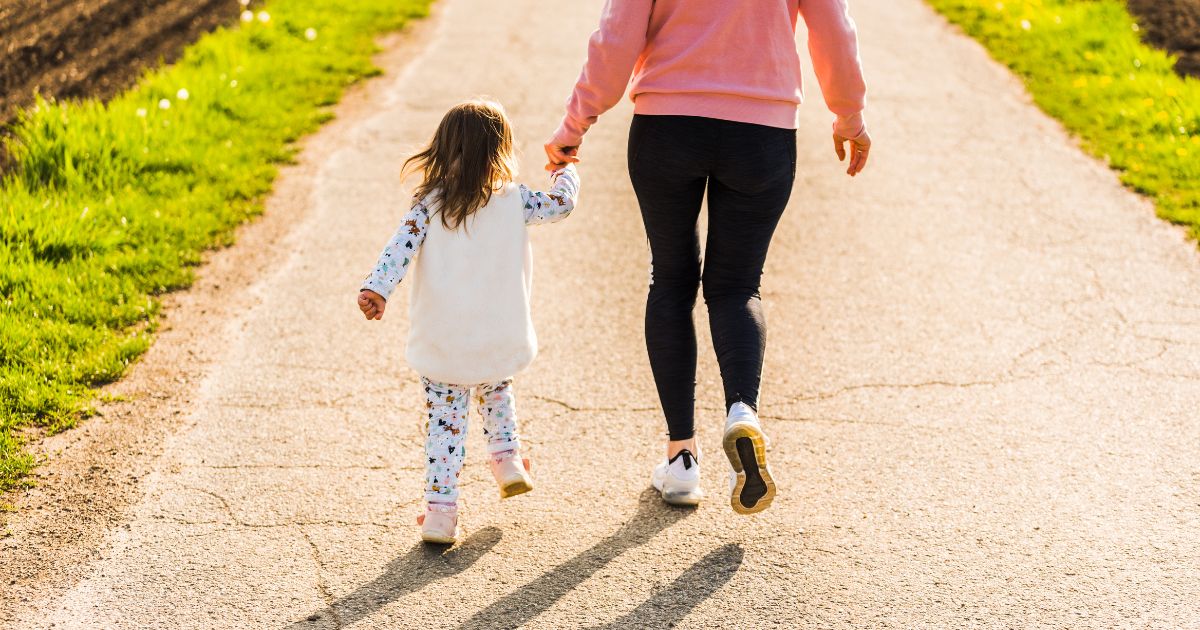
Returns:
(716,85)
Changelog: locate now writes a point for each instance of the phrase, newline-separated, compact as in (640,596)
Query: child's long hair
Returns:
(470,157)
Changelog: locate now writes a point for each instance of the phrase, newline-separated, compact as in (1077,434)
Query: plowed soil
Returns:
(74,48)
(1173,25)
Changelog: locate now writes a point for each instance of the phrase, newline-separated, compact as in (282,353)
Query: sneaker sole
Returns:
(745,446)
(513,488)
(687,498)
(437,540)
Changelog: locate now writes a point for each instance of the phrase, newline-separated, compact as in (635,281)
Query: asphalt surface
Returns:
(981,387)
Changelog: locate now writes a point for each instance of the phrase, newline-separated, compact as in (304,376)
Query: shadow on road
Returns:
(673,602)
(420,566)
(530,600)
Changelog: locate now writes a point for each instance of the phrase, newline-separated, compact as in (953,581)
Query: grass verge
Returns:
(1084,63)
(106,206)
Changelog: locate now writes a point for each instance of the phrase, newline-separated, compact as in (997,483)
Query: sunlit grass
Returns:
(1084,64)
(105,206)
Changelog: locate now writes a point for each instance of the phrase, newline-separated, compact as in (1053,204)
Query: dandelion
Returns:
(182,94)
(1163,116)
(164,104)
(141,112)
(1081,82)
(1181,152)
(1025,24)
(1195,139)
(247,16)
(264,17)
(1106,81)
(999,6)
(310,34)
(1148,102)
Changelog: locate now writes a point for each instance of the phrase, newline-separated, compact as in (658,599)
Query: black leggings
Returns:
(748,170)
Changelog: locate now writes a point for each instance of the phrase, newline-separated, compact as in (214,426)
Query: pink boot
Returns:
(439,523)
(511,473)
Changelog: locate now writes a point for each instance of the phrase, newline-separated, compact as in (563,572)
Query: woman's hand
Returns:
(559,156)
(860,146)
(371,304)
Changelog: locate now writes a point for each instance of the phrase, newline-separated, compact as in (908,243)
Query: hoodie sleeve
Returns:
(833,45)
(613,51)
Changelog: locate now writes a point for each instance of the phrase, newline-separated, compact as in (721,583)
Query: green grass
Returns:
(106,206)
(1084,64)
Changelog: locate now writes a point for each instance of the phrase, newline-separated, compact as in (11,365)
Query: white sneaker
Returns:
(678,479)
(751,488)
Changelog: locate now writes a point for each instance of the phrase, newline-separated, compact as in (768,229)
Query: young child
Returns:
(469,304)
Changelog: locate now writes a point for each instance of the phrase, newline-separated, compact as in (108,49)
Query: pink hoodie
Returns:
(727,59)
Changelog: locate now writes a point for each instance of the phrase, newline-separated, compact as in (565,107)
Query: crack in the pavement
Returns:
(241,523)
(326,594)
(1132,363)
(820,396)
(898,425)
(574,408)
(294,467)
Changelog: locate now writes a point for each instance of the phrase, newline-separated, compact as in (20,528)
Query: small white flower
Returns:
(264,17)
(247,16)
(233,83)
(310,34)
(1137,63)
(182,94)
(141,112)
(244,3)
(164,104)
(1026,25)
(1136,28)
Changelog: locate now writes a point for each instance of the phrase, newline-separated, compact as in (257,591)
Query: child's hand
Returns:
(371,304)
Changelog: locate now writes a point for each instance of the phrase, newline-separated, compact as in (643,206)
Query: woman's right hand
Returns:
(559,156)
(860,146)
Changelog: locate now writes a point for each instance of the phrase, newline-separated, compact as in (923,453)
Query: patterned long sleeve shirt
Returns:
(540,207)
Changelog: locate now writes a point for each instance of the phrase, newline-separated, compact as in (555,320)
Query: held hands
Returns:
(558,156)
(860,146)
(371,304)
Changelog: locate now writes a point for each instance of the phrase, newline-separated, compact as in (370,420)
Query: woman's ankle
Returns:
(675,446)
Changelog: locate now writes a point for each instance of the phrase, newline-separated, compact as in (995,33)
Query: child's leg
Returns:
(445,442)
(499,417)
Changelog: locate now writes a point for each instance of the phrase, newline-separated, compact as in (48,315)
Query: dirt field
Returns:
(1175,26)
(72,48)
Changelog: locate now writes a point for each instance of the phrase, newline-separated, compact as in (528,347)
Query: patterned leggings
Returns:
(446,431)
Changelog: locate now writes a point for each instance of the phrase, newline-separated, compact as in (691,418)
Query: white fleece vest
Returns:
(469,299)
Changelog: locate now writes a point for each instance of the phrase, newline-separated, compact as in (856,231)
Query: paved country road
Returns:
(981,386)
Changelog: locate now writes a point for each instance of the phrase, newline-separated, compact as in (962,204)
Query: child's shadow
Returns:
(696,584)
(420,566)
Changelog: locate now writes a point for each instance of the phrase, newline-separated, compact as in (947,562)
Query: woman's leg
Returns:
(747,194)
(668,168)
(445,441)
